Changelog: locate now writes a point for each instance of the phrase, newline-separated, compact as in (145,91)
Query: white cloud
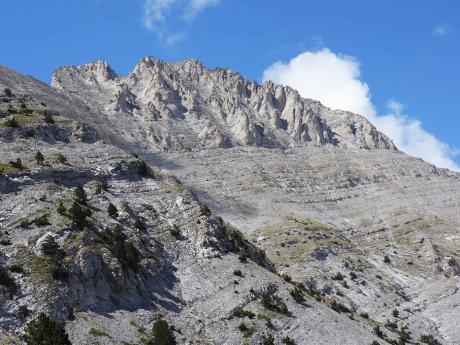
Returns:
(322,75)
(158,15)
(334,80)
(174,38)
(155,13)
(441,30)
(196,6)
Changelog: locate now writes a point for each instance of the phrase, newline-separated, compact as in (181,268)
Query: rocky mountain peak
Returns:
(97,234)
(184,105)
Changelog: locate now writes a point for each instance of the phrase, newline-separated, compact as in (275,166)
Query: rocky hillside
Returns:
(360,239)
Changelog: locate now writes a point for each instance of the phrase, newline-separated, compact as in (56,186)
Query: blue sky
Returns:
(404,52)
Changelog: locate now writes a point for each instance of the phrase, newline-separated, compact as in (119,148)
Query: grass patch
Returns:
(7,169)
(295,239)
(98,333)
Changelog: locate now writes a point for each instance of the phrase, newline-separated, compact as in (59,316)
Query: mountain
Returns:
(184,106)
(234,201)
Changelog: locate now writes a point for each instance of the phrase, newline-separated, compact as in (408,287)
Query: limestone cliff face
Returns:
(175,106)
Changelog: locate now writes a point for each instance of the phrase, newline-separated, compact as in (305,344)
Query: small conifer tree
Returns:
(46,331)
(80,195)
(39,158)
(112,211)
(78,215)
(162,333)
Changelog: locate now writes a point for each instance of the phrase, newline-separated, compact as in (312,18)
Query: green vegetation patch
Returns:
(294,239)
(98,333)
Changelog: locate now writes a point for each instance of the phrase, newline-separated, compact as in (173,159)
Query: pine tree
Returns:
(45,331)
(7,92)
(78,215)
(139,224)
(80,195)
(61,209)
(102,185)
(112,211)
(50,246)
(162,334)
(39,158)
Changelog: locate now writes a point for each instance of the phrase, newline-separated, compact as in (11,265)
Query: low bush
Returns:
(288,341)
(391,325)
(268,340)
(339,307)
(6,280)
(338,276)
(50,247)
(274,303)
(7,92)
(238,273)
(243,258)
(17,164)
(378,332)
(16,268)
(61,209)
(142,168)
(266,318)
(140,224)
(48,117)
(286,277)
(297,294)
(364,315)
(24,223)
(61,159)
(23,312)
(5,242)
(43,220)
(12,123)
(175,232)
(247,331)
(429,339)
(240,312)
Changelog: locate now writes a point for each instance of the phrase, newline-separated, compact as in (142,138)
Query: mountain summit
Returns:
(196,206)
(184,106)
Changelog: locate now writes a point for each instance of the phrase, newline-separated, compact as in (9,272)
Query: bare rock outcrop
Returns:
(183,105)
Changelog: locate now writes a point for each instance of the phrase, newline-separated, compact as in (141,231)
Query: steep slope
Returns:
(321,190)
(373,203)
(162,252)
(318,212)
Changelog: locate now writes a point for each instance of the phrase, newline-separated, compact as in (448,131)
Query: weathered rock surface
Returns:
(180,106)
(321,191)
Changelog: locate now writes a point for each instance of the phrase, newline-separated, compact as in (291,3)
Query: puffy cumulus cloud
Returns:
(159,13)
(322,75)
(334,80)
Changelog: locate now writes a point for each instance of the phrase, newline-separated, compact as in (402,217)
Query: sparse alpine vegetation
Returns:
(158,207)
